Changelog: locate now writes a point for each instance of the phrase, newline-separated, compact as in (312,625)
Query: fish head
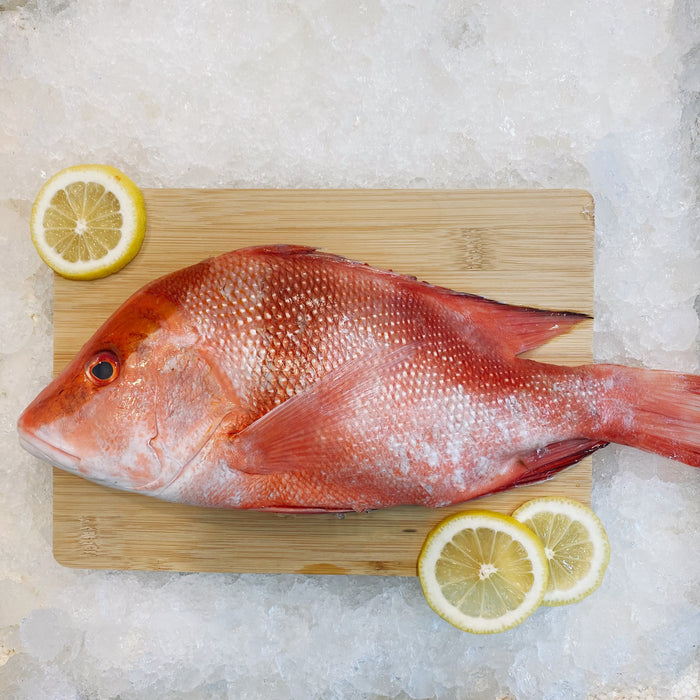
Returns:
(135,404)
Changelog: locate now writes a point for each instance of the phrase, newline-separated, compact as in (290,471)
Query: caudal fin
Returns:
(653,410)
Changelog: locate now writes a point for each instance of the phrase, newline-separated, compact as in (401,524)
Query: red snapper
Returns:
(287,379)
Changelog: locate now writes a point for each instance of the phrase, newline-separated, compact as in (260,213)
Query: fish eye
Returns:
(103,368)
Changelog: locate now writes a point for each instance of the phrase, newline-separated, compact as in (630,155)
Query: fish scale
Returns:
(288,339)
(283,378)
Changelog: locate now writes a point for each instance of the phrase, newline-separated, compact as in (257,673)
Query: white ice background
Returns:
(597,94)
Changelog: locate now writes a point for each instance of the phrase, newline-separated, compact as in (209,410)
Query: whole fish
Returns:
(287,379)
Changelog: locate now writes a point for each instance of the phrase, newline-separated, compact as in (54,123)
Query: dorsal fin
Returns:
(519,328)
(514,329)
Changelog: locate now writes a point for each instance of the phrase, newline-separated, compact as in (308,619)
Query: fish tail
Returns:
(652,410)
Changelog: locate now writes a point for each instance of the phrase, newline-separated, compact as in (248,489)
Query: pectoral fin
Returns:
(309,431)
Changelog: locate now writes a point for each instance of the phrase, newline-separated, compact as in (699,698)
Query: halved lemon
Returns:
(88,221)
(575,543)
(482,571)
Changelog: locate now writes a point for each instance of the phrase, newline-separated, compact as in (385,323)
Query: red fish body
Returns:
(283,378)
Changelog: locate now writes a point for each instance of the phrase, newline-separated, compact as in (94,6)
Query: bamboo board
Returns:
(522,247)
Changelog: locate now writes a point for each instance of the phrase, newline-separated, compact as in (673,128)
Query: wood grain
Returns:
(523,247)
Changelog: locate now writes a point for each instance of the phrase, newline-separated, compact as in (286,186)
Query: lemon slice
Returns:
(88,221)
(482,571)
(575,543)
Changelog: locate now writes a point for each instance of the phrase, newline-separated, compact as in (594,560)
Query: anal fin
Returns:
(545,462)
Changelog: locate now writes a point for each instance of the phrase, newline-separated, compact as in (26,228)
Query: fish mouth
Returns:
(49,453)
(57,457)
(28,431)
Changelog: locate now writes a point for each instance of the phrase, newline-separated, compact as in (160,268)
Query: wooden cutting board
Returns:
(522,247)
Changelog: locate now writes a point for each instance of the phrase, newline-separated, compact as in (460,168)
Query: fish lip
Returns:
(59,458)
(49,453)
